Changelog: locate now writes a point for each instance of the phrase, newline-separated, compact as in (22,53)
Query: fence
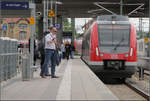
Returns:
(8,58)
(143,61)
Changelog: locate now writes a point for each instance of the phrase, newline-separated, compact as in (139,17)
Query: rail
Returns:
(138,90)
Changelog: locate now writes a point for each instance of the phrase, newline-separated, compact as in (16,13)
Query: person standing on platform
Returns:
(50,50)
(63,50)
(41,46)
(72,51)
(67,48)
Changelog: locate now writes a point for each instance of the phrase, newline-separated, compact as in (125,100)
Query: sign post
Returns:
(32,20)
(146,40)
(11,5)
(32,26)
(57,26)
(73,29)
(51,13)
(14,8)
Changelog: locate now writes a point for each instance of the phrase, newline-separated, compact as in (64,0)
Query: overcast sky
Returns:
(79,22)
(145,22)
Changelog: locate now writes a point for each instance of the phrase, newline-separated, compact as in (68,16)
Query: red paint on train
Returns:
(110,47)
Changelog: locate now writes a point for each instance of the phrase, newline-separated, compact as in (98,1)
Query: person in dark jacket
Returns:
(41,50)
(35,51)
(67,48)
(41,46)
(63,51)
(72,51)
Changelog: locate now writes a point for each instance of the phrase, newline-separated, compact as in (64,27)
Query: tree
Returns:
(66,24)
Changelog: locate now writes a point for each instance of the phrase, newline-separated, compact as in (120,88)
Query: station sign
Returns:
(51,14)
(146,40)
(57,26)
(10,5)
(32,20)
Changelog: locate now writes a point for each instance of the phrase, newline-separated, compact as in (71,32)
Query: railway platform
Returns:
(76,82)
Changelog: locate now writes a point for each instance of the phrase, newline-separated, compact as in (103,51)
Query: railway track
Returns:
(148,74)
(131,89)
(138,90)
(123,92)
(127,90)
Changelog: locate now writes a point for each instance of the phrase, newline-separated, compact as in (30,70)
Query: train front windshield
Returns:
(114,38)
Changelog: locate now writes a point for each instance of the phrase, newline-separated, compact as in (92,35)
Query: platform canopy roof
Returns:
(92,8)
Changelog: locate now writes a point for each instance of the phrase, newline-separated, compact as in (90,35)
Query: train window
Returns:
(114,34)
(122,34)
(105,38)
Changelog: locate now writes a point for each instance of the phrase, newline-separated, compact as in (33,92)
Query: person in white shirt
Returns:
(50,51)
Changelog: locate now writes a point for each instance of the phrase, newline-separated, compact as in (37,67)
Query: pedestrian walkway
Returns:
(76,82)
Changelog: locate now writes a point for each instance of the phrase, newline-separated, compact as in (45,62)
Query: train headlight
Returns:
(131,51)
(97,54)
(113,22)
(126,55)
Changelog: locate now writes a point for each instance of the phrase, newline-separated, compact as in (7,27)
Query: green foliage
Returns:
(148,34)
(78,35)
(143,35)
(66,25)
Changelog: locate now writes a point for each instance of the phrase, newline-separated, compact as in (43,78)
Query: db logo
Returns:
(114,56)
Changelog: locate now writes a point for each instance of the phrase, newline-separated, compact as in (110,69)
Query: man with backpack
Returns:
(41,46)
(50,50)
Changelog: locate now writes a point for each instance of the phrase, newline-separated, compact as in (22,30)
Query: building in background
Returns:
(15,28)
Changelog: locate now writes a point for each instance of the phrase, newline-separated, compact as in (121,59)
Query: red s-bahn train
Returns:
(109,47)
(78,46)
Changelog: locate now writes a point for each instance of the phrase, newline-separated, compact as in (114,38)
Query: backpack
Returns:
(41,44)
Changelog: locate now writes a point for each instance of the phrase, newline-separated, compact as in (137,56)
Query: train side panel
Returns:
(133,46)
(94,46)
(86,46)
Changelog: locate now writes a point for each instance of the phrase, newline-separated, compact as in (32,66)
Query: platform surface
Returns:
(76,82)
